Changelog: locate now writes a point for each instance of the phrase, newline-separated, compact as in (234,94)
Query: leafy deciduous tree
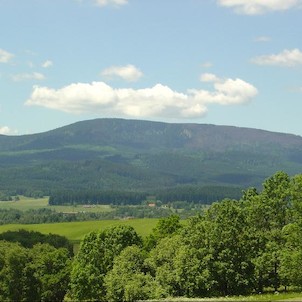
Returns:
(95,259)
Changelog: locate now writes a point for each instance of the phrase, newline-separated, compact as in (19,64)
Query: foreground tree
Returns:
(51,267)
(129,280)
(17,282)
(37,274)
(230,264)
(95,259)
(267,213)
(166,227)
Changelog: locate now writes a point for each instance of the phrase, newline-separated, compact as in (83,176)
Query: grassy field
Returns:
(279,297)
(26,203)
(75,231)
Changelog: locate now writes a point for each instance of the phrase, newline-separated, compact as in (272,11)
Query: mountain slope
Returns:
(118,154)
(145,134)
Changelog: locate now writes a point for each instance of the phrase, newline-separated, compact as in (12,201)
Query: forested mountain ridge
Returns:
(138,134)
(134,155)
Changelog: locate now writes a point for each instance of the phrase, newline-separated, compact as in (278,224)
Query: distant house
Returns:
(152,204)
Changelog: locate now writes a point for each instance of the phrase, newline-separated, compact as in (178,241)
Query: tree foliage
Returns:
(40,273)
(29,238)
(95,259)
(128,280)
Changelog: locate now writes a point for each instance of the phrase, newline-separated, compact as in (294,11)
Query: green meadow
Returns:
(27,203)
(75,231)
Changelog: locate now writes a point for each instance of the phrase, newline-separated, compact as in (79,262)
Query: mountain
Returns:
(132,155)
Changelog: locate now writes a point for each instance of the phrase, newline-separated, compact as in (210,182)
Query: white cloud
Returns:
(158,101)
(208,77)
(256,7)
(28,76)
(5,130)
(47,64)
(226,91)
(287,58)
(116,3)
(262,39)
(75,98)
(5,56)
(128,73)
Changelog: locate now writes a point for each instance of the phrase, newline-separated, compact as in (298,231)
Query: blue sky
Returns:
(224,62)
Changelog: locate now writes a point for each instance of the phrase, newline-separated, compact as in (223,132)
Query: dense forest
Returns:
(234,247)
(195,194)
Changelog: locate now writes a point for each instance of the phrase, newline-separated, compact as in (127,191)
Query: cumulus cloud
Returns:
(159,101)
(5,56)
(47,64)
(128,73)
(287,58)
(28,76)
(226,91)
(256,7)
(74,98)
(116,3)
(5,130)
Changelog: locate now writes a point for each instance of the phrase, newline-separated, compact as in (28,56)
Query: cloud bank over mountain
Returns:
(159,100)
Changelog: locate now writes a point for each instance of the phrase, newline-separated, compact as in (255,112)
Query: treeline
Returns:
(5,197)
(233,247)
(30,238)
(195,194)
(8,216)
(28,191)
(38,216)
(198,194)
(96,197)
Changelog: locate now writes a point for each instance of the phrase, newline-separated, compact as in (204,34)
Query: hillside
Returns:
(105,154)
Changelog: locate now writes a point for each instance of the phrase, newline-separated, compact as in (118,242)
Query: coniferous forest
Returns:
(234,247)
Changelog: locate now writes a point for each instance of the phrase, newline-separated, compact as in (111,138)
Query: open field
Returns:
(26,203)
(75,231)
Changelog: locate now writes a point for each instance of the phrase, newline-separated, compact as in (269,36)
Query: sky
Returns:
(223,62)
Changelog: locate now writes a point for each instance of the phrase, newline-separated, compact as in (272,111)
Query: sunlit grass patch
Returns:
(28,203)
(75,231)
(267,297)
